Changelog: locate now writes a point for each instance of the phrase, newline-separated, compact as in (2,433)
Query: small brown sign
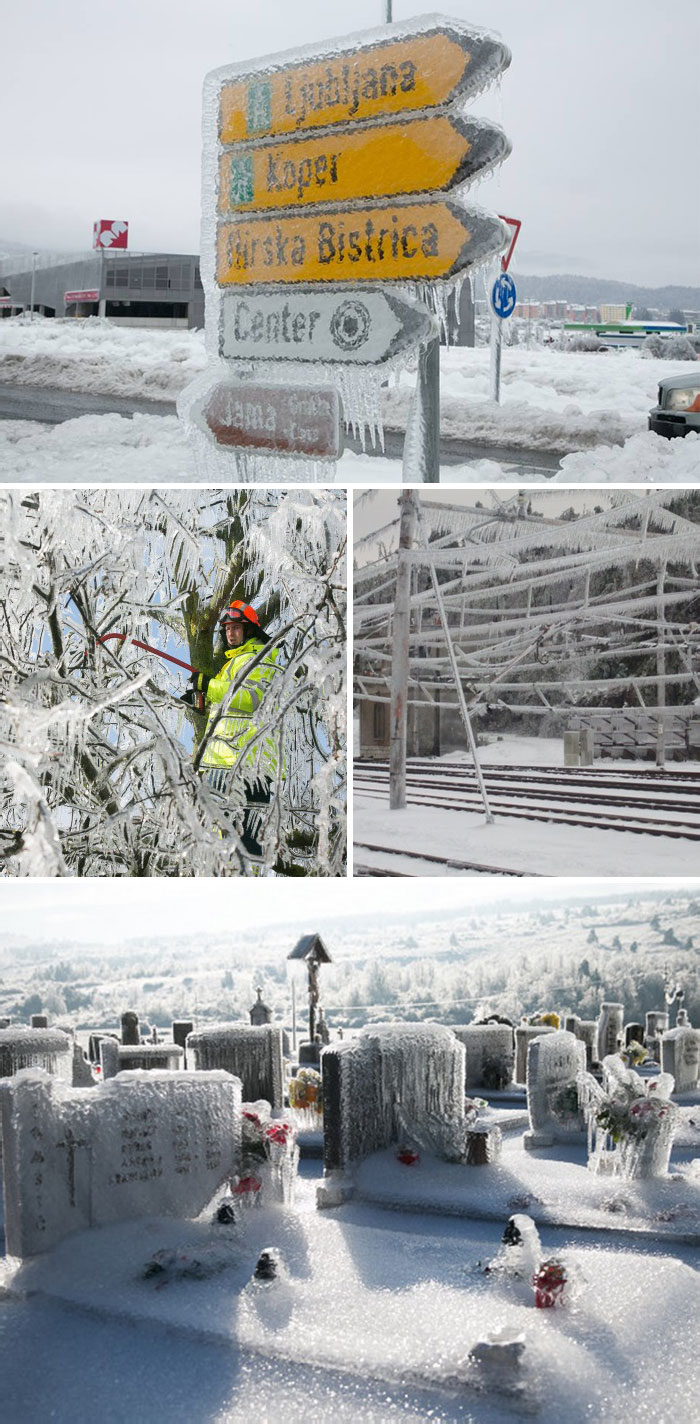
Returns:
(275,420)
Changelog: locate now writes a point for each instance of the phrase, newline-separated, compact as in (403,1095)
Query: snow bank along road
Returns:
(54,406)
(587,410)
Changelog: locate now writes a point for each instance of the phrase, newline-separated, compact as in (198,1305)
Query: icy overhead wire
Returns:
(547,593)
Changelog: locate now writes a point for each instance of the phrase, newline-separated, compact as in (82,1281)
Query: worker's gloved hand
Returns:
(195,692)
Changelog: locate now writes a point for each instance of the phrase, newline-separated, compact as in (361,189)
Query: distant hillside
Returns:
(591,291)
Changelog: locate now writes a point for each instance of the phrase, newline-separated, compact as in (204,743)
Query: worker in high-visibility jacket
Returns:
(240,725)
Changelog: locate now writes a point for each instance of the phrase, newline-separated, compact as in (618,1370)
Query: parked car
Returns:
(678,410)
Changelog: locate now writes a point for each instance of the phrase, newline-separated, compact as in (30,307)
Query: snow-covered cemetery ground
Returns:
(486,1258)
(589,407)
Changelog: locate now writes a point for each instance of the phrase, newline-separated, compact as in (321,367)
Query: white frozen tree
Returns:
(98,756)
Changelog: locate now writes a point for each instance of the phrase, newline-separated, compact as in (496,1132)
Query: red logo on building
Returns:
(107,232)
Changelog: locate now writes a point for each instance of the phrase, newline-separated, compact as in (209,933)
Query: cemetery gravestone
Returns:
(391,1078)
(524,1035)
(489,1055)
(609,1029)
(159,1144)
(634,1033)
(82,1071)
(587,1031)
(680,1056)
(45,1048)
(130,1028)
(253,1054)
(181,1028)
(656,1022)
(260,1013)
(117,1058)
(553,1066)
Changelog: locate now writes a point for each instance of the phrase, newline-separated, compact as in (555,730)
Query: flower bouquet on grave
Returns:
(634,1054)
(282,1158)
(640,1119)
(550,1284)
(247,1186)
(306,1099)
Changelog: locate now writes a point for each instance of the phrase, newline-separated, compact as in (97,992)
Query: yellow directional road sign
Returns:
(391,76)
(413,156)
(437,237)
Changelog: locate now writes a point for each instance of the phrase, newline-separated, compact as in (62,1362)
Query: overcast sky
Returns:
(100,113)
(112,911)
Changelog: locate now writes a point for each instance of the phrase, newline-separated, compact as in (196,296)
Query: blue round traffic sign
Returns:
(503,295)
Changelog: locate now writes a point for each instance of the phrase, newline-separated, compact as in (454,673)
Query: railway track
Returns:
(475,867)
(646,803)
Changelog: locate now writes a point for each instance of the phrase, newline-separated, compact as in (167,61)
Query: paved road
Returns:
(462,452)
(49,406)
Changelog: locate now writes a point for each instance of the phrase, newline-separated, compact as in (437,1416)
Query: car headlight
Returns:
(687,398)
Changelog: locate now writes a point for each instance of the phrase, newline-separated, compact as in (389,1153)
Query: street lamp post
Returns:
(31,298)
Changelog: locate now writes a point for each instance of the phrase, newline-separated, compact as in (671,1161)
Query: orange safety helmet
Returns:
(240,612)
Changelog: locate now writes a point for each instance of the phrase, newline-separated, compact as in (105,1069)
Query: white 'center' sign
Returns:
(353,327)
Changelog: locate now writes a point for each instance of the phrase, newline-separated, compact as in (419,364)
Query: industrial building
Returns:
(130,288)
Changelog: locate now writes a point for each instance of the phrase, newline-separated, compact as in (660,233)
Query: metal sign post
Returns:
(421,452)
(503,299)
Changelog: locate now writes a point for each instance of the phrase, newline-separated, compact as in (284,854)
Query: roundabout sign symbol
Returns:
(503,295)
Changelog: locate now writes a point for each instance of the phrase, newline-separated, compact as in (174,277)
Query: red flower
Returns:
(252,1117)
(407,1157)
(278,1132)
(246,1185)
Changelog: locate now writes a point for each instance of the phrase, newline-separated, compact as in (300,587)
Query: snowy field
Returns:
(591,408)
(373,1317)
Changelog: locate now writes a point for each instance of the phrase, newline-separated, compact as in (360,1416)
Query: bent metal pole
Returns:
(399,658)
(455,673)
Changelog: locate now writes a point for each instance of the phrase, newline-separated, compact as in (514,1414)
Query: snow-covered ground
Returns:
(373,1318)
(529,847)
(593,406)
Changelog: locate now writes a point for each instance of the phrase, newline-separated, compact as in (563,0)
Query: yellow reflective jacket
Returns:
(238,726)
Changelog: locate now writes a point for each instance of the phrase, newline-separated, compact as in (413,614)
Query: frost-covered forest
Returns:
(448,966)
(98,755)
